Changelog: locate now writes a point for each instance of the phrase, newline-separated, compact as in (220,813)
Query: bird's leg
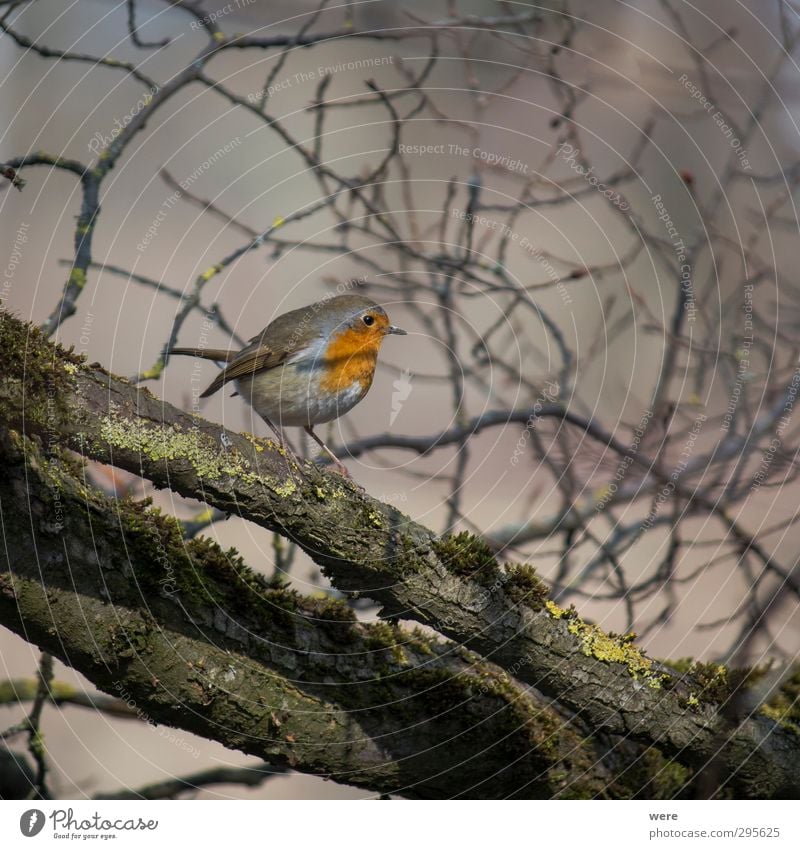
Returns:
(282,440)
(284,443)
(339,465)
(278,434)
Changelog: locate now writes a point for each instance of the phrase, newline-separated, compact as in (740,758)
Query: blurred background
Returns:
(588,204)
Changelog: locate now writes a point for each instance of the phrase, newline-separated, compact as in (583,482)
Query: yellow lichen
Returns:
(284,490)
(210,272)
(257,443)
(555,611)
(164,442)
(154,372)
(77,278)
(596,643)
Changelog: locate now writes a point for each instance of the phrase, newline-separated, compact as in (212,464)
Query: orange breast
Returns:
(351,357)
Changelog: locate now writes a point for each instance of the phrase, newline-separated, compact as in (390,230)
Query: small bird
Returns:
(308,366)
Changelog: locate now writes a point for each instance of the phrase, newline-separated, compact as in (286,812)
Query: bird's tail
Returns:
(217,354)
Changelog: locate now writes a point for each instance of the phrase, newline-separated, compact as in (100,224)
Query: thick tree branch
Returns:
(368,547)
(247,776)
(190,637)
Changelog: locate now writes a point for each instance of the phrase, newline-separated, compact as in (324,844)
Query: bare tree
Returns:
(611,337)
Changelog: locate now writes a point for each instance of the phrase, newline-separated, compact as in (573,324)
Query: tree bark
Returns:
(189,636)
(366,547)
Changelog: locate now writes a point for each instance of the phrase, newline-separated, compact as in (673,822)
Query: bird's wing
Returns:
(217,354)
(250,360)
(282,338)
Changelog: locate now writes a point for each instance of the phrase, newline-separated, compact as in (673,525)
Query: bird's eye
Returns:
(368,320)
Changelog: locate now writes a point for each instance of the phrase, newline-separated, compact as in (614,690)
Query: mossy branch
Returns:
(364,546)
(185,634)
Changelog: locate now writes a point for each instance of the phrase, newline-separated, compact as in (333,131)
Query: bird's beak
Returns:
(396,331)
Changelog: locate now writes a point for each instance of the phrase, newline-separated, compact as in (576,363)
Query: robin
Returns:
(308,366)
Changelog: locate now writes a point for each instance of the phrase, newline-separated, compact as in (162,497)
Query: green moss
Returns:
(781,717)
(467,555)
(436,690)
(712,683)
(333,616)
(784,705)
(524,587)
(682,664)
(541,727)
(380,635)
(131,639)
(44,371)
(333,609)
(201,572)
(713,680)
(418,641)
(652,776)
(408,560)
(557,750)
(385,636)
